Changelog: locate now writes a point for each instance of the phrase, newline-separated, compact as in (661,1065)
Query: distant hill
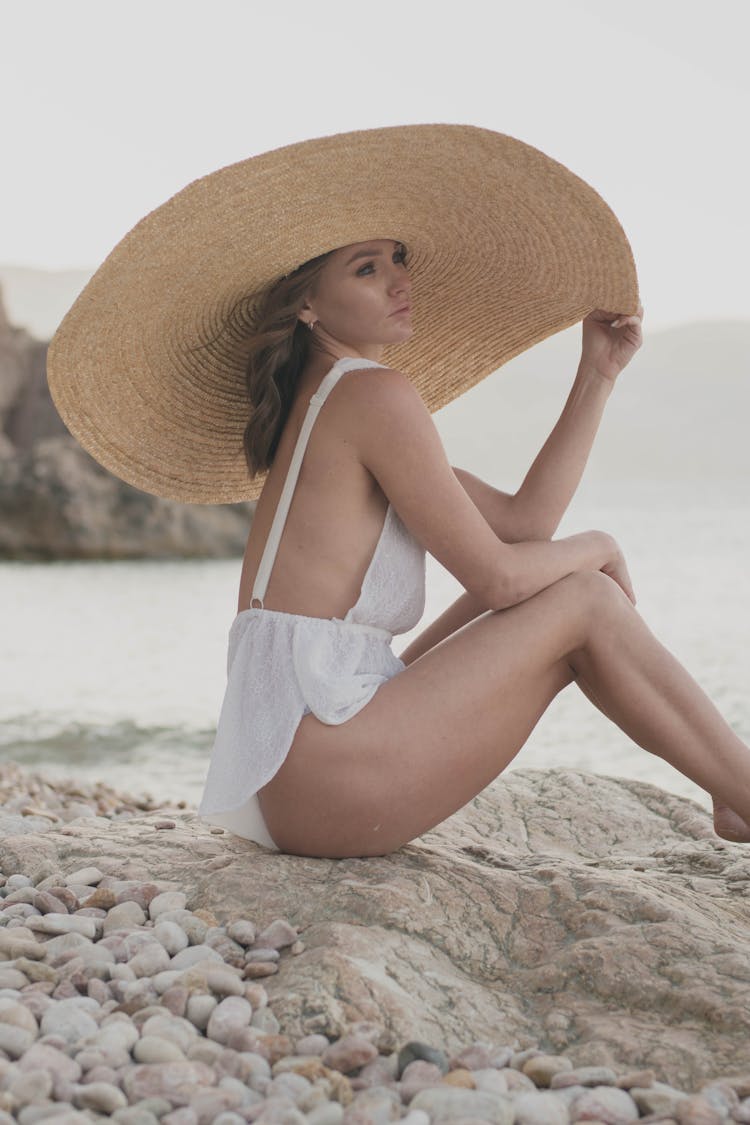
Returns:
(676,421)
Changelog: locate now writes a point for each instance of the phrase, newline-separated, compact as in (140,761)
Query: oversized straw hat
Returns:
(506,247)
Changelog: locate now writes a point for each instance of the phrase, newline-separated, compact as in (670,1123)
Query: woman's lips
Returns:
(403,309)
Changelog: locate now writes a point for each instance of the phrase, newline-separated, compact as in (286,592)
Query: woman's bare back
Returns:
(335,517)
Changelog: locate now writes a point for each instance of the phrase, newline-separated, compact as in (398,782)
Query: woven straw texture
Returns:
(506,247)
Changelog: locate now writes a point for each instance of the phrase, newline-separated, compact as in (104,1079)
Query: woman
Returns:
(537,615)
(328,743)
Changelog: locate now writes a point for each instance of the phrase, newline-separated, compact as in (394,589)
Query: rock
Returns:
(222,982)
(277,935)
(13,944)
(311,1045)
(349,1053)
(168,900)
(178,1031)
(540,1109)
(56,501)
(584,1076)
(150,961)
(418,1075)
(231,1015)
(30,1085)
(696,1110)
(42,1056)
(199,1008)
(542,1069)
(13,1012)
(102,1097)
(14,1040)
(171,1080)
(376,1106)
(124,914)
(607,1104)
(242,931)
(154,1049)
(70,1019)
(444,1103)
(645,923)
(490,1080)
(12,978)
(332,1113)
(171,936)
(64,924)
(193,955)
(659,1098)
(88,876)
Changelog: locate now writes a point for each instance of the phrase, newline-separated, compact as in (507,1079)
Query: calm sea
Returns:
(115,671)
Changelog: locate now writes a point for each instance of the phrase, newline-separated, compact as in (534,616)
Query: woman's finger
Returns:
(618,323)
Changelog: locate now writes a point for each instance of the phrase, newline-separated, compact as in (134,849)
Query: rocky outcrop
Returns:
(57,502)
(597,915)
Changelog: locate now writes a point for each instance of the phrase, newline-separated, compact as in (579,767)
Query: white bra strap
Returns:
(282,510)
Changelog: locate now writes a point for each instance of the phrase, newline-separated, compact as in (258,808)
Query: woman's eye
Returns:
(399,256)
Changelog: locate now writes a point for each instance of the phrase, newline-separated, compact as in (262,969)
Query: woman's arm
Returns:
(556,472)
(535,511)
(607,347)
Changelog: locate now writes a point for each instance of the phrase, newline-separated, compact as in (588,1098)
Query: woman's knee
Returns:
(597,596)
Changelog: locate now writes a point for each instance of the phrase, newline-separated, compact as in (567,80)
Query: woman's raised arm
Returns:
(551,482)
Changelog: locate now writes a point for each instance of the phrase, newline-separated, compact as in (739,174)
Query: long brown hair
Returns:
(279,348)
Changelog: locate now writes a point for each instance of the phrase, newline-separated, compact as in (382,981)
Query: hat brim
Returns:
(506,247)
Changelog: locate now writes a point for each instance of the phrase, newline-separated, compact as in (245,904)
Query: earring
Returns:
(311,324)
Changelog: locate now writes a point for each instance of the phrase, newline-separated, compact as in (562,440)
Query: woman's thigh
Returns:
(434,735)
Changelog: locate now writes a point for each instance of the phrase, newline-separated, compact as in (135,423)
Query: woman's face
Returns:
(358,293)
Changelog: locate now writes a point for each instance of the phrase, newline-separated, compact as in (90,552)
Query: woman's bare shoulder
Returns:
(395,438)
(371,385)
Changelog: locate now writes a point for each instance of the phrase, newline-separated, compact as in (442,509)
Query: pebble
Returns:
(584,1076)
(541,1069)
(88,876)
(118,1001)
(540,1109)
(605,1103)
(153,1049)
(446,1103)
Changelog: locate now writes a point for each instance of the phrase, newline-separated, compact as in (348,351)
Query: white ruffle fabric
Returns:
(282,666)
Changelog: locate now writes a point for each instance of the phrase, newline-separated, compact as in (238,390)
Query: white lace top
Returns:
(281,666)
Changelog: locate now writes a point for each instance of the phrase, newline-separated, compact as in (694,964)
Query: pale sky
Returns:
(109,108)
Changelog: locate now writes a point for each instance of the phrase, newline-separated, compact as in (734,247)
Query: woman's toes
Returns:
(730,825)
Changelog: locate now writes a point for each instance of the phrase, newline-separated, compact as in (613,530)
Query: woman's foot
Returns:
(729,825)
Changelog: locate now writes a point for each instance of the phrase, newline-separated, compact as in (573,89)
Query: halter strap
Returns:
(346,363)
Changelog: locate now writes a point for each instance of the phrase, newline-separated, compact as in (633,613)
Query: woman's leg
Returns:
(437,733)
(728,824)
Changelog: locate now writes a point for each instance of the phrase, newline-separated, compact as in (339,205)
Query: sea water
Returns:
(115,671)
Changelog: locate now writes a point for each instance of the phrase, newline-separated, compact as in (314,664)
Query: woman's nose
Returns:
(401,282)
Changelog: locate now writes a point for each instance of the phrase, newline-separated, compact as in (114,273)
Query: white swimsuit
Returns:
(282,666)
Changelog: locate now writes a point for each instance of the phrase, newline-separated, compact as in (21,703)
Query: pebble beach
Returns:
(118,1002)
